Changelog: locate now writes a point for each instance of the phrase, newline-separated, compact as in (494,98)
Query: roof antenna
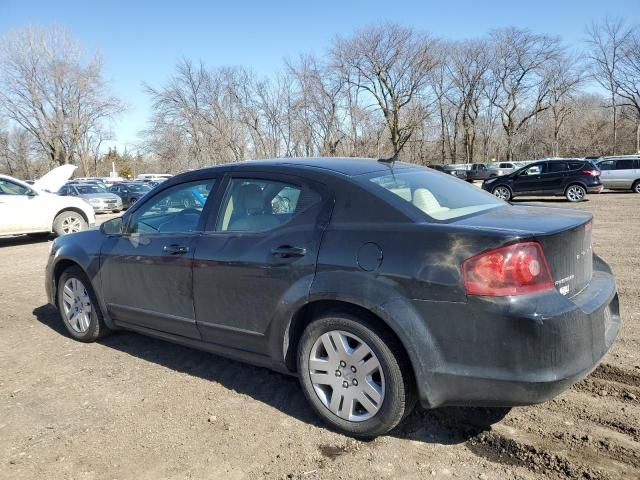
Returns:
(390,160)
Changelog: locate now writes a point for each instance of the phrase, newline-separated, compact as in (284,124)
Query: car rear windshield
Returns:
(440,196)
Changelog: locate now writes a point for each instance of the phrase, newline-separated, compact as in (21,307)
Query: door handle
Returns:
(175,249)
(287,251)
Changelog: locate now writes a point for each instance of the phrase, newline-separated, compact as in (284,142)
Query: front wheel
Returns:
(68,221)
(636,186)
(78,306)
(503,193)
(354,376)
(575,193)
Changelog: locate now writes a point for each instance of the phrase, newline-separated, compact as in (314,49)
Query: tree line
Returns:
(384,91)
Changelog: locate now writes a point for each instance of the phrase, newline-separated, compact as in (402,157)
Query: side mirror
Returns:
(32,193)
(112,227)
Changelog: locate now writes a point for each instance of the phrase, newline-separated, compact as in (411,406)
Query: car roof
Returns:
(348,166)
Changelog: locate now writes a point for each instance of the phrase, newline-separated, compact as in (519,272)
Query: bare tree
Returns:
(628,79)
(518,70)
(565,75)
(47,89)
(606,42)
(392,65)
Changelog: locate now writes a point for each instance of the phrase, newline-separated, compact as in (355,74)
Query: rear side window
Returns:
(259,205)
(556,167)
(575,165)
(626,164)
(440,197)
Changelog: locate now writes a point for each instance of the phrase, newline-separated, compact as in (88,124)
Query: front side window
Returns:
(258,205)
(10,188)
(439,198)
(607,165)
(533,170)
(177,209)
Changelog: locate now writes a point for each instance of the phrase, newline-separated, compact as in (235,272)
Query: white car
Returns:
(32,209)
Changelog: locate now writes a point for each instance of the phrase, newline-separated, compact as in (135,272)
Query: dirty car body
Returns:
(391,244)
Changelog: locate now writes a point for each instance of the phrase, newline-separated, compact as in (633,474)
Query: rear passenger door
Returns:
(258,254)
(553,177)
(624,174)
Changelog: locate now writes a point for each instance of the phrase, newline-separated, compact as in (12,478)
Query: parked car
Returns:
(504,168)
(376,283)
(96,196)
(475,171)
(31,209)
(620,173)
(153,177)
(130,192)
(572,179)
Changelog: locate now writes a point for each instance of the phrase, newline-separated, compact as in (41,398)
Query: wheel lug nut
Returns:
(338,373)
(343,363)
(353,369)
(345,384)
(355,382)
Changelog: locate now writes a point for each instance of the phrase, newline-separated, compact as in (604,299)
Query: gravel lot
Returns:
(135,407)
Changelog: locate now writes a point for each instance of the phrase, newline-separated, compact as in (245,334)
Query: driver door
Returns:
(529,180)
(146,272)
(22,210)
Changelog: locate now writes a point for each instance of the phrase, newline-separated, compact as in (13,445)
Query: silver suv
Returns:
(621,173)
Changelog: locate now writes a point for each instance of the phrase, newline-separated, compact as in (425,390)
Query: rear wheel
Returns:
(69,222)
(636,186)
(502,192)
(575,193)
(78,306)
(354,376)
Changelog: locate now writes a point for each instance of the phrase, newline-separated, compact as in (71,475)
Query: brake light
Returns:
(592,172)
(513,270)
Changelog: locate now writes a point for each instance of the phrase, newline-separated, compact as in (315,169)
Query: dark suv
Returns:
(571,178)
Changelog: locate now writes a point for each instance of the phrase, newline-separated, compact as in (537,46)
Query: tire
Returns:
(502,192)
(74,291)
(69,221)
(389,387)
(575,193)
(636,186)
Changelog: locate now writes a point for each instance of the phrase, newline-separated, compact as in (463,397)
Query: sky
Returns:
(141,41)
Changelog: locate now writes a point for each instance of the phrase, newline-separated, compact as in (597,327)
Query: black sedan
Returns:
(376,283)
(571,178)
(130,192)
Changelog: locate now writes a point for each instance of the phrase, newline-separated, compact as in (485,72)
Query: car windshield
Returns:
(440,196)
(138,187)
(85,189)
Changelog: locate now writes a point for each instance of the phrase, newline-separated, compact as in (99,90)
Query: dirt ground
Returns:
(131,407)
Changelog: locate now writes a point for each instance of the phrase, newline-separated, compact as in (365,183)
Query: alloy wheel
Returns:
(76,305)
(575,193)
(502,193)
(71,224)
(346,376)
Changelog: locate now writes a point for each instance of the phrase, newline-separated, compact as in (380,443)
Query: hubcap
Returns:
(347,376)
(71,225)
(575,193)
(502,193)
(76,305)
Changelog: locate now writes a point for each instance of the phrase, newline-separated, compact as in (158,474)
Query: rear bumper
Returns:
(519,351)
(595,189)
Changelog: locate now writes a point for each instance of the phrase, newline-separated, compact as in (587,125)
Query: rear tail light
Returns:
(514,270)
(593,172)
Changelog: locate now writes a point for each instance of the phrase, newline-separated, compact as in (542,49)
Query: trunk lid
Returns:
(565,236)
